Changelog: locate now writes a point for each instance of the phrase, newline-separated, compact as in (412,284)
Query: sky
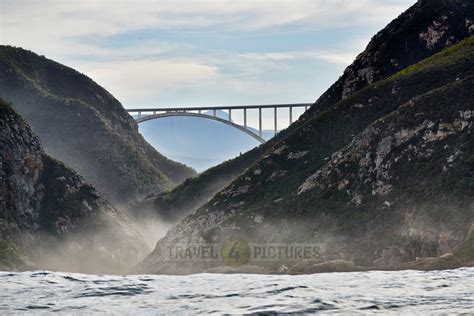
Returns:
(195,53)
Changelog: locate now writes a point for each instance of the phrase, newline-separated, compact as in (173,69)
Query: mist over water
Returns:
(151,229)
(397,292)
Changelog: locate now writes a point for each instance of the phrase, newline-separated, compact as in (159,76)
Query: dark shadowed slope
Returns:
(83,125)
(424,29)
(51,216)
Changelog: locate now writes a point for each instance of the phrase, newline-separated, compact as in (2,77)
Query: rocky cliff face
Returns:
(83,125)
(424,29)
(381,178)
(51,215)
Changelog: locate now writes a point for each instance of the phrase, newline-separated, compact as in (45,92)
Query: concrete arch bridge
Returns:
(211,113)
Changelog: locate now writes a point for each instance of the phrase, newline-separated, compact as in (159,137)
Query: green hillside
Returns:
(404,42)
(382,178)
(83,125)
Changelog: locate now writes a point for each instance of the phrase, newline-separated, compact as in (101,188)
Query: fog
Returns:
(139,244)
(105,242)
(151,228)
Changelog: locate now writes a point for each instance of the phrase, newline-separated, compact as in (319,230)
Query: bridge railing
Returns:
(149,112)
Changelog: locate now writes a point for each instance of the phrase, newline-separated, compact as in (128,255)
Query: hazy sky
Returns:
(212,52)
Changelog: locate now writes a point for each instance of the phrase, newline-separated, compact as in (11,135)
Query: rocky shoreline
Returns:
(445,262)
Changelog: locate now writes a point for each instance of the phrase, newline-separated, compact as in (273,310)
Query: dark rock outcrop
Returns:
(49,214)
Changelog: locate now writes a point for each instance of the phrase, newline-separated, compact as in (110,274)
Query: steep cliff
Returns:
(381,178)
(51,216)
(424,29)
(83,125)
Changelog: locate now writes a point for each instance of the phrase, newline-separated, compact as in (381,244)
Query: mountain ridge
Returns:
(387,45)
(278,200)
(51,218)
(63,106)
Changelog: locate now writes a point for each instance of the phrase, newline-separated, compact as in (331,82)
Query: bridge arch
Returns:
(200,115)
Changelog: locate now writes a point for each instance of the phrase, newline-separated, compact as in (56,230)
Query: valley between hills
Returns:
(377,173)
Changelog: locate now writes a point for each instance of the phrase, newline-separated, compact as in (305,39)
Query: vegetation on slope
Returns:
(433,60)
(328,132)
(195,191)
(83,125)
(11,257)
(50,214)
(383,177)
(424,29)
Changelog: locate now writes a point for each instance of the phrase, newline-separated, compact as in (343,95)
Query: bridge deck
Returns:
(158,112)
(221,107)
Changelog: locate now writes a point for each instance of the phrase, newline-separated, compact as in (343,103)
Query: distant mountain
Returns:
(196,142)
(83,125)
(50,217)
(424,29)
(379,170)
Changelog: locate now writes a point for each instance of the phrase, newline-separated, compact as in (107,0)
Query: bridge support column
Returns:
(245,118)
(139,114)
(291,115)
(230,115)
(214,112)
(275,119)
(260,121)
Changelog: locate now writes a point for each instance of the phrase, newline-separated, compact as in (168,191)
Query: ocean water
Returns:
(401,292)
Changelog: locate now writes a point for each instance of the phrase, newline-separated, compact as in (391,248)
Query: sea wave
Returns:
(444,292)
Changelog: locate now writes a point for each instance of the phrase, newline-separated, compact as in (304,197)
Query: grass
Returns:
(10,256)
(434,59)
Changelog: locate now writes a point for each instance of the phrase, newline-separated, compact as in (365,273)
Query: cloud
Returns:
(65,19)
(59,28)
(143,49)
(139,80)
(340,58)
